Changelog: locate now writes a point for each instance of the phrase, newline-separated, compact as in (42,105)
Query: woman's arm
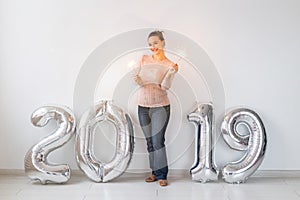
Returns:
(168,78)
(137,70)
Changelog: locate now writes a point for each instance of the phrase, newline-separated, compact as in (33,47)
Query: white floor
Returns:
(79,187)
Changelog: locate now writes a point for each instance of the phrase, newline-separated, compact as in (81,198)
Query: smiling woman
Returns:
(154,75)
(107,75)
(96,72)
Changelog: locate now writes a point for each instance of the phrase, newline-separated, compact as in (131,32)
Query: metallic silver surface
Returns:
(86,160)
(254,144)
(35,161)
(203,169)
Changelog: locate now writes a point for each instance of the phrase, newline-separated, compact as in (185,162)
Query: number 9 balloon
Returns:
(254,144)
(36,165)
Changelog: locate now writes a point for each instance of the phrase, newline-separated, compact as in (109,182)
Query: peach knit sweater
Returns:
(156,78)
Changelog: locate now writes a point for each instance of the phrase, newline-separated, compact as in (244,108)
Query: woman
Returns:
(154,75)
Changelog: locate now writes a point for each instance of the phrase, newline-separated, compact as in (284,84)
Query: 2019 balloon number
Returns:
(203,169)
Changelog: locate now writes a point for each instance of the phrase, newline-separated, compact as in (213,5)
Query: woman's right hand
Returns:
(137,79)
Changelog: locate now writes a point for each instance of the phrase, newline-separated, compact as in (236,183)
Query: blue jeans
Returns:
(154,121)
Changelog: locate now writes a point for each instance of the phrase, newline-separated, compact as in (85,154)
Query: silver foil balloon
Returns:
(203,169)
(86,160)
(35,162)
(254,144)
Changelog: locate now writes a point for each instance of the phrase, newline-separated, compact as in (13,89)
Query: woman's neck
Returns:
(159,56)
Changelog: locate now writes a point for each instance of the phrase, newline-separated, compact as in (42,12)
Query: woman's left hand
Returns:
(176,67)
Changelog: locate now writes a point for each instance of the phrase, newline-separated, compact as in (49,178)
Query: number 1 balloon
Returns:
(36,164)
(86,160)
(203,169)
(254,144)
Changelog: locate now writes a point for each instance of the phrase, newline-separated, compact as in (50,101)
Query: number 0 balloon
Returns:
(86,160)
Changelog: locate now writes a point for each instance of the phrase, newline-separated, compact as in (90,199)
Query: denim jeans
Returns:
(154,121)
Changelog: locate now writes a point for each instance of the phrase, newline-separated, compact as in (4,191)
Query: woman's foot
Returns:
(151,178)
(163,182)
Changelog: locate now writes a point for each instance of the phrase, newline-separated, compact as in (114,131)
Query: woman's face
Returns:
(156,44)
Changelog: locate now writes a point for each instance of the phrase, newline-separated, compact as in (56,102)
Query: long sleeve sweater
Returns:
(156,78)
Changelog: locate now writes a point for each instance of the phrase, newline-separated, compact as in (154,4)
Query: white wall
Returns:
(254,45)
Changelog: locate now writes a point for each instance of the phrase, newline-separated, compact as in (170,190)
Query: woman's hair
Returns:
(157,33)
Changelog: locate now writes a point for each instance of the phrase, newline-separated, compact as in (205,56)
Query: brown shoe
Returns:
(151,178)
(163,182)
